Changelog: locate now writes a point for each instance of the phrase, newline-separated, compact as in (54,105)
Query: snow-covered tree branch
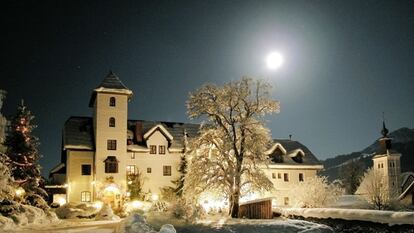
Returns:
(315,193)
(230,149)
(374,189)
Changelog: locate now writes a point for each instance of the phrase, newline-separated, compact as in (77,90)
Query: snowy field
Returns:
(378,216)
(227,225)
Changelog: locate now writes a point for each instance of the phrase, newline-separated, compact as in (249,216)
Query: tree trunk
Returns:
(235,196)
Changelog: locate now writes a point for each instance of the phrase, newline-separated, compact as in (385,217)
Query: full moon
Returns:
(274,60)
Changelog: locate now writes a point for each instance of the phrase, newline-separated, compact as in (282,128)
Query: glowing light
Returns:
(112,188)
(61,201)
(65,185)
(154,197)
(98,204)
(274,60)
(136,204)
(20,191)
(93,182)
(128,194)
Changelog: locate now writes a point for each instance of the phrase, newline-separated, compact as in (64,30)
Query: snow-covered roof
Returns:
(290,150)
(78,133)
(57,168)
(161,128)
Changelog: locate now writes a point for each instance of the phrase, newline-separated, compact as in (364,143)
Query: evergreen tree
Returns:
(135,185)
(179,183)
(23,154)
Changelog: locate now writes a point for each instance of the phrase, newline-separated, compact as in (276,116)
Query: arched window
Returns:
(112,122)
(111,164)
(112,101)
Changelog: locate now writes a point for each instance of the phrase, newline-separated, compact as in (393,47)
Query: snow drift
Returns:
(379,216)
(136,223)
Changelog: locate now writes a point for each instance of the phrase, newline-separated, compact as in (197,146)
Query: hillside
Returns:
(403,142)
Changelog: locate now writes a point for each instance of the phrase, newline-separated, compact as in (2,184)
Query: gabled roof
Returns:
(293,148)
(162,129)
(407,184)
(78,133)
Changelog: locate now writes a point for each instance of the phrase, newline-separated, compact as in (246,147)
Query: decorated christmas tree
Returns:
(23,155)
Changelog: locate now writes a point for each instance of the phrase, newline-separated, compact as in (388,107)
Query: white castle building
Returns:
(99,152)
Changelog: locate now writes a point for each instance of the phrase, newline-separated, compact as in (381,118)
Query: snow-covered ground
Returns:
(379,216)
(157,223)
(225,224)
(351,202)
(72,226)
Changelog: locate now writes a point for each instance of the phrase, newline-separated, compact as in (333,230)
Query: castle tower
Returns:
(387,162)
(110,115)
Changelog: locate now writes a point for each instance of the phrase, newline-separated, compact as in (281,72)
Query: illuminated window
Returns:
(301,177)
(166,170)
(161,150)
(112,122)
(86,169)
(149,170)
(111,144)
(112,101)
(153,149)
(111,164)
(285,177)
(130,169)
(86,196)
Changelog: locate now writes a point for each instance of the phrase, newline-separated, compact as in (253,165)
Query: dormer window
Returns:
(298,158)
(277,156)
(112,122)
(112,101)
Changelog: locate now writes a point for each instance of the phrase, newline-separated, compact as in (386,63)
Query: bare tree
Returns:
(374,190)
(230,150)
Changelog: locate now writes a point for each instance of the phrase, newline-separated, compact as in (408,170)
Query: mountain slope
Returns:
(403,142)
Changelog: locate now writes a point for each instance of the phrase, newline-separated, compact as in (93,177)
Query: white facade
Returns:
(99,152)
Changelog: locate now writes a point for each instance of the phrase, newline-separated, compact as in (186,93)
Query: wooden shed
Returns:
(256,209)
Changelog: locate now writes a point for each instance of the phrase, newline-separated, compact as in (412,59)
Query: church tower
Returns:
(387,162)
(110,115)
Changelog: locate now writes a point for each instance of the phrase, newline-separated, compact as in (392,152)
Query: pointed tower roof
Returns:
(110,84)
(384,130)
(385,145)
(112,81)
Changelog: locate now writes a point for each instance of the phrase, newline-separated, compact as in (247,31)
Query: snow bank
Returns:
(26,215)
(106,213)
(136,223)
(379,216)
(73,211)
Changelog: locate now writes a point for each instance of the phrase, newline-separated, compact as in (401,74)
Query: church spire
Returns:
(384,130)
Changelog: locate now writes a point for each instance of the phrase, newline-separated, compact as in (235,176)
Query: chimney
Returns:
(290,137)
(138,131)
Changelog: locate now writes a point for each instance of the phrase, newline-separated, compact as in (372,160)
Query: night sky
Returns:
(345,63)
